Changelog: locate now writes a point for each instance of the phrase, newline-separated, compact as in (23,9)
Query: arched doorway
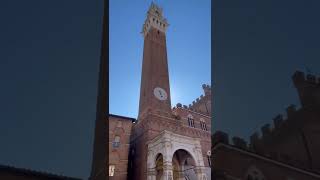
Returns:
(172,156)
(159,167)
(183,165)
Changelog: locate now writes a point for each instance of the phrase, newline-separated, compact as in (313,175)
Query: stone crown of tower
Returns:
(154,19)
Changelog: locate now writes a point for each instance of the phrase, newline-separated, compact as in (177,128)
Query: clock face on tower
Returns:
(160,93)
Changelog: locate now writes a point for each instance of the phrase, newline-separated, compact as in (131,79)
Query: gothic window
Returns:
(203,124)
(111,170)
(116,142)
(190,120)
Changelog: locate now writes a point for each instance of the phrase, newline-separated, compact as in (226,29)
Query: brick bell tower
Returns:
(155,89)
(161,143)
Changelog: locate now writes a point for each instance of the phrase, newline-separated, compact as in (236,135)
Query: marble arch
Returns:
(167,143)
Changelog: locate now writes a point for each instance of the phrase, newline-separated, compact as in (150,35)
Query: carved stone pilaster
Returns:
(167,171)
(151,174)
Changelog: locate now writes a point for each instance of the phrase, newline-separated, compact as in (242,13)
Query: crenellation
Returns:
(298,76)
(239,142)
(290,140)
(179,105)
(185,106)
(291,110)
(220,137)
(311,78)
(206,89)
(254,138)
(278,121)
(266,130)
(204,86)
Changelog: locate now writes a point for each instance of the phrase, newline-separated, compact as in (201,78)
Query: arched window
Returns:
(190,120)
(116,142)
(111,170)
(203,124)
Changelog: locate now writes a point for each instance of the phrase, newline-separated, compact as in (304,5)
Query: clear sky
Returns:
(188,48)
(258,45)
(50,56)
(49,64)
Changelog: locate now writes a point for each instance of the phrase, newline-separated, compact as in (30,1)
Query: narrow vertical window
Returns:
(116,142)
(203,124)
(190,120)
(111,170)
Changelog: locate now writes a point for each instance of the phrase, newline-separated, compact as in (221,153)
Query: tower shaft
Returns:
(155,88)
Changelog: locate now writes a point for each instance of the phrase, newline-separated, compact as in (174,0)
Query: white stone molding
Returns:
(166,144)
(154,19)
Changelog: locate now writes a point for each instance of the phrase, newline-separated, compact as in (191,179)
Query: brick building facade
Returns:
(288,151)
(119,144)
(13,173)
(163,142)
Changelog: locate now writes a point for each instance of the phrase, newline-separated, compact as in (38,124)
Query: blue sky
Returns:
(188,48)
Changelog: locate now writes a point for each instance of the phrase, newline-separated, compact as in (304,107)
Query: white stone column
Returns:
(152,174)
(167,171)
